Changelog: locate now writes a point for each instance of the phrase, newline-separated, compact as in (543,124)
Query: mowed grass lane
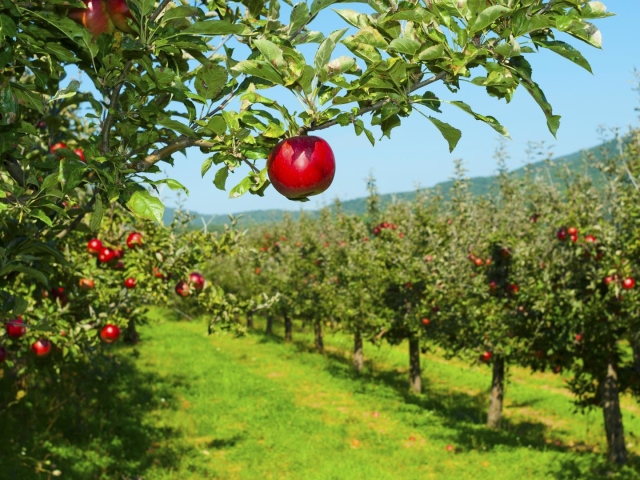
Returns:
(255,407)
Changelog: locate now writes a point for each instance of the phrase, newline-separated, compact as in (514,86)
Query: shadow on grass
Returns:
(88,423)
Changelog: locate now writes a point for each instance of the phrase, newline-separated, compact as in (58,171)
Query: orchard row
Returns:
(539,273)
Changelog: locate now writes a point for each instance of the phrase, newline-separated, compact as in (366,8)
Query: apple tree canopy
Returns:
(207,75)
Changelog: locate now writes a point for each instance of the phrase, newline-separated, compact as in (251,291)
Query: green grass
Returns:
(184,405)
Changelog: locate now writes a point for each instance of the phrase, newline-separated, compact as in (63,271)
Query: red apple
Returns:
(572,231)
(299,167)
(426,321)
(478,261)
(157,273)
(628,283)
(182,288)
(561,234)
(257,271)
(57,146)
(197,280)
(134,239)
(110,333)
(119,253)
(513,289)
(94,17)
(3,354)
(574,238)
(119,12)
(94,246)
(80,153)
(86,283)
(590,239)
(578,337)
(41,348)
(130,282)
(486,356)
(106,255)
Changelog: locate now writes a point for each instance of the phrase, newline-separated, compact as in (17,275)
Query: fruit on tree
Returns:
(513,288)
(41,347)
(130,282)
(562,234)
(94,246)
(119,12)
(486,356)
(578,337)
(182,288)
(16,328)
(299,167)
(425,321)
(574,238)
(86,283)
(628,283)
(106,255)
(450,448)
(57,146)
(94,17)
(478,262)
(134,239)
(119,253)
(590,239)
(110,333)
(197,280)
(572,231)
(157,273)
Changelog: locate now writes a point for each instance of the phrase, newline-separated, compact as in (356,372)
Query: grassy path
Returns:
(257,408)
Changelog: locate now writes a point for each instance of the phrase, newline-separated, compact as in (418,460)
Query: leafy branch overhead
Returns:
(167,76)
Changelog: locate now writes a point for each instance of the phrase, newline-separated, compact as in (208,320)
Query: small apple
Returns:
(486,356)
(562,234)
(157,273)
(3,354)
(426,321)
(299,167)
(572,231)
(182,288)
(578,337)
(57,146)
(110,333)
(513,289)
(574,238)
(94,246)
(134,239)
(130,282)
(590,239)
(119,253)
(628,283)
(478,262)
(450,448)
(106,255)
(86,283)
(80,153)
(257,271)
(41,348)
(197,280)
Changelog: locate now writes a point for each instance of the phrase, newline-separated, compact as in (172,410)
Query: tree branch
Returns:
(78,219)
(375,106)
(179,143)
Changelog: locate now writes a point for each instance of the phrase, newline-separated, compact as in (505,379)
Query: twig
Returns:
(375,106)
(180,143)
(78,219)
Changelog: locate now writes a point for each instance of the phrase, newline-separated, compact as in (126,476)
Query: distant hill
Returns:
(575,162)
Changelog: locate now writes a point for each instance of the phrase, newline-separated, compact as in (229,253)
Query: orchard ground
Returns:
(182,404)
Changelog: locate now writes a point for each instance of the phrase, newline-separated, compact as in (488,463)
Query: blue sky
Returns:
(417,155)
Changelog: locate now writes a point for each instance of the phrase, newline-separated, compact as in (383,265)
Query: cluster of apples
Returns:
(384,226)
(103,16)
(61,145)
(111,256)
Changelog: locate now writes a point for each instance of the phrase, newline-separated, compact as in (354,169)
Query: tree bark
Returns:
(317,326)
(288,328)
(415,377)
(249,319)
(613,417)
(358,355)
(269,328)
(494,418)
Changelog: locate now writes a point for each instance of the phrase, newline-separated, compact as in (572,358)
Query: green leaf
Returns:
(96,216)
(326,49)
(221,178)
(489,120)
(180,12)
(210,80)
(299,17)
(40,215)
(30,272)
(567,51)
(174,185)
(259,69)
(215,27)
(451,134)
(70,91)
(407,46)
(143,204)
(487,17)
(241,188)
(167,121)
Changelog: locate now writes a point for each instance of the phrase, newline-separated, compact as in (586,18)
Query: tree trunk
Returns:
(415,378)
(358,355)
(269,329)
(288,328)
(319,340)
(613,417)
(249,319)
(130,335)
(497,394)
